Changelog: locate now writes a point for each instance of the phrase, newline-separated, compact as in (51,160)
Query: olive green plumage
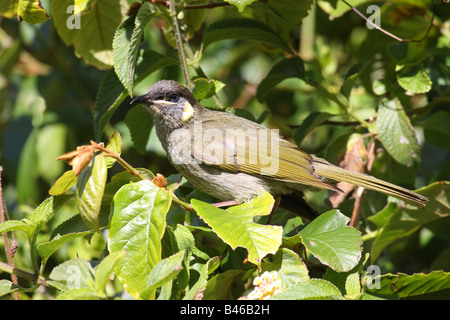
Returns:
(232,158)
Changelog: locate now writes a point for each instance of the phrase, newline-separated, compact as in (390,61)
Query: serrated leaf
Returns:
(243,29)
(414,80)
(283,69)
(204,88)
(31,11)
(181,239)
(282,15)
(313,289)
(91,43)
(235,226)
(64,183)
(105,268)
(137,226)
(24,225)
(140,123)
(403,285)
(126,43)
(220,285)
(309,123)
(206,269)
(45,211)
(7,287)
(73,274)
(397,134)
(90,188)
(163,272)
(114,145)
(46,249)
(352,286)
(331,241)
(79,294)
(291,269)
(396,222)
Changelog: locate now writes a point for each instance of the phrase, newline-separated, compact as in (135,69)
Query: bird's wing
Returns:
(244,146)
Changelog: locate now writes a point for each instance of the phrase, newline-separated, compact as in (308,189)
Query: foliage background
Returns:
(50,89)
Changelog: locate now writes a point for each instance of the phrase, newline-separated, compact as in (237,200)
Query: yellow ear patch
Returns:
(188,112)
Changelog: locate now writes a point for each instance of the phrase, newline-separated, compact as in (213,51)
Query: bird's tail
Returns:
(327,170)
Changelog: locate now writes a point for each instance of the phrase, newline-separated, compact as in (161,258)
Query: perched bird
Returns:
(234,159)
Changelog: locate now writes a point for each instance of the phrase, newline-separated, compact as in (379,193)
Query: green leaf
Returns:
(46,249)
(240,4)
(51,143)
(353,286)
(8,8)
(105,268)
(64,183)
(7,287)
(126,43)
(414,80)
(331,241)
(396,222)
(243,29)
(137,226)
(31,11)
(236,228)
(79,294)
(403,285)
(282,70)
(282,15)
(24,225)
(164,271)
(140,123)
(219,287)
(206,269)
(181,239)
(73,274)
(397,134)
(309,123)
(90,188)
(114,145)
(291,269)
(91,43)
(313,289)
(204,88)
(437,130)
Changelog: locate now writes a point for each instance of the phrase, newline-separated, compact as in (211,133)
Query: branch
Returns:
(179,41)
(8,249)
(386,32)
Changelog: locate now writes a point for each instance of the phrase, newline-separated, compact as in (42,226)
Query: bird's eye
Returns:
(174,97)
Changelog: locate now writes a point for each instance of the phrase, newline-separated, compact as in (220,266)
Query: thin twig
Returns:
(388,33)
(179,42)
(123,163)
(9,253)
(356,214)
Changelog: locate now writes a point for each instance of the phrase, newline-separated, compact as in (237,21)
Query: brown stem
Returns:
(9,251)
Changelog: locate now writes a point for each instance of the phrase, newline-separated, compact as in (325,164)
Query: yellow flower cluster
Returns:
(266,286)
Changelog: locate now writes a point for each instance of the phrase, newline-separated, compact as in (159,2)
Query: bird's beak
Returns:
(144,99)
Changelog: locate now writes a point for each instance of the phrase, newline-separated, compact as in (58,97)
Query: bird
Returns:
(235,159)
